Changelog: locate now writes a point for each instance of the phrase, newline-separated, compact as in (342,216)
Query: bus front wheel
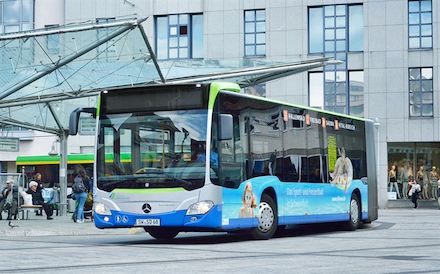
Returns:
(162,233)
(355,213)
(267,219)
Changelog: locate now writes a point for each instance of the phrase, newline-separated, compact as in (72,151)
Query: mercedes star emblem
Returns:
(146,208)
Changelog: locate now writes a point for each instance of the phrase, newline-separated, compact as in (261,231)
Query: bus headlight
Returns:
(201,207)
(102,209)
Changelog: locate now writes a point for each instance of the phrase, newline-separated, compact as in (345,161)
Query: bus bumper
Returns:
(120,219)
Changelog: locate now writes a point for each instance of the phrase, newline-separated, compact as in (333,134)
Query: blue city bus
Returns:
(205,157)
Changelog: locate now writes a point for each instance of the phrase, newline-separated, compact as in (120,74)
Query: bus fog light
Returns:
(201,207)
(102,209)
(106,219)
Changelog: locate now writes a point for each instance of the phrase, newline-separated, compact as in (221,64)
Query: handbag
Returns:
(89,199)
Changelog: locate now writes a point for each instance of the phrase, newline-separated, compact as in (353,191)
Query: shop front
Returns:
(417,161)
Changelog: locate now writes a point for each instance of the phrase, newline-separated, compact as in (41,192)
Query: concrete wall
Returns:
(49,12)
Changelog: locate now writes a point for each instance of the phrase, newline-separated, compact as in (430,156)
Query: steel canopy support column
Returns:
(153,56)
(63,173)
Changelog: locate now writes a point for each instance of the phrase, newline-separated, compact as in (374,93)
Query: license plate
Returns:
(148,222)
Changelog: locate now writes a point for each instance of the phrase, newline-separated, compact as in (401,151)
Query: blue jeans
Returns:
(80,201)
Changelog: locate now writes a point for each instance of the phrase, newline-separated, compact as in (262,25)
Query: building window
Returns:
(179,36)
(327,90)
(316,90)
(336,28)
(356,92)
(16,15)
(420,24)
(355,28)
(254,32)
(316,30)
(420,92)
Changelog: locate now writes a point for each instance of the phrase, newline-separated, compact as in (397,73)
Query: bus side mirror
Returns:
(226,127)
(74,118)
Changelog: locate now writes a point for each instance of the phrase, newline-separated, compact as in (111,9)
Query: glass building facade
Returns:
(334,31)
(16,15)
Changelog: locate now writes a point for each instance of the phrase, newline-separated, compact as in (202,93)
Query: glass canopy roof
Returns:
(45,74)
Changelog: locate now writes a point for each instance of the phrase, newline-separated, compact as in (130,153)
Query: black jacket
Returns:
(37,196)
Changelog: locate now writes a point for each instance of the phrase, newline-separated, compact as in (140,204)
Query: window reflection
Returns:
(356,35)
(316,90)
(12,12)
(330,22)
(420,24)
(356,91)
(16,15)
(335,30)
(420,92)
(316,31)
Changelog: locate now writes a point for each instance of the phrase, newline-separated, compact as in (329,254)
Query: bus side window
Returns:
(231,157)
(304,178)
(290,170)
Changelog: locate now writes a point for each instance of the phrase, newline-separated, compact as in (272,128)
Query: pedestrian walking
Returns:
(414,190)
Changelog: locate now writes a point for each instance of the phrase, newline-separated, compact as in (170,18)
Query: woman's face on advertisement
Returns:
(248,198)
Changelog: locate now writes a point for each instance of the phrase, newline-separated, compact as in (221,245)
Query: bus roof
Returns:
(295,105)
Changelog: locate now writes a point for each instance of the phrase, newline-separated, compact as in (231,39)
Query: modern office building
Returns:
(390,50)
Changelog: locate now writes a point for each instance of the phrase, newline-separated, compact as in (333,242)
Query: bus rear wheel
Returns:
(355,213)
(162,233)
(267,219)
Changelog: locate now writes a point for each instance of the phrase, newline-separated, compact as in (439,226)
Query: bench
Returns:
(27,208)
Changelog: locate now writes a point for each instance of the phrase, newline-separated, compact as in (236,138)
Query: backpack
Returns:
(78,185)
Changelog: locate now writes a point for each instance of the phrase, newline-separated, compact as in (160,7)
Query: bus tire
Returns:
(162,233)
(267,219)
(354,213)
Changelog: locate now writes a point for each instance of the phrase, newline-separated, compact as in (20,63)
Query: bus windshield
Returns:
(160,149)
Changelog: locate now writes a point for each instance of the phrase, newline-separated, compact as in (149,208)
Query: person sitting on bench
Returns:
(37,199)
(9,201)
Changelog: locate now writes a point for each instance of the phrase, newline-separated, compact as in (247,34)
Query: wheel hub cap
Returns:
(266,217)
(354,212)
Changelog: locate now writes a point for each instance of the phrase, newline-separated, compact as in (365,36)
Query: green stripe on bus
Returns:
(146,190)
(71,159)
(98,106)
(215,89)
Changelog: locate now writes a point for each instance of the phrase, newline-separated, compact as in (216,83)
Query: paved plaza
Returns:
(401,241)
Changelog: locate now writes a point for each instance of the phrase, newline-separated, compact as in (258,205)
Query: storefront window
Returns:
(420,160)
